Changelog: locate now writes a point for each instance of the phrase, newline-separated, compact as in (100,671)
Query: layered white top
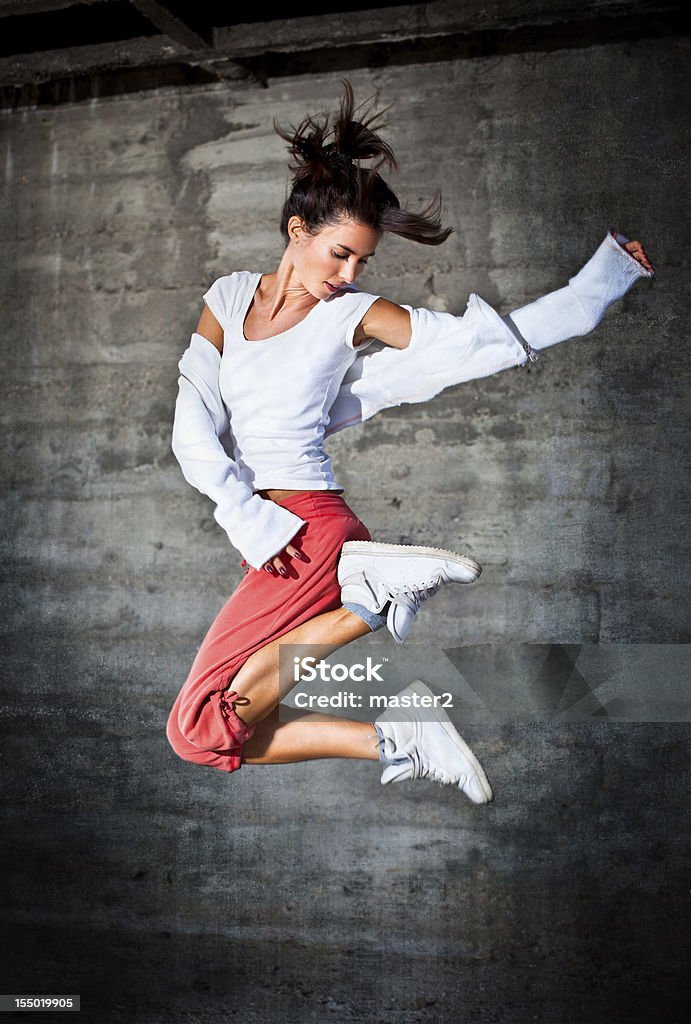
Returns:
(278,391)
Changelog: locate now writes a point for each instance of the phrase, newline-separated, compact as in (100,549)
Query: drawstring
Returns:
(239,730)
(227,701)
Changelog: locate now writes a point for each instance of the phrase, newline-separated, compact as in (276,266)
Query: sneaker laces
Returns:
(424,770)
(413,596)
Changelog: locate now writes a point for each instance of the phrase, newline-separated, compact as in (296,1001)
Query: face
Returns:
(332,257)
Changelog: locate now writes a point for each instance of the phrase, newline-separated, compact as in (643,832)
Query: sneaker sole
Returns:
(449,728)
(372,547)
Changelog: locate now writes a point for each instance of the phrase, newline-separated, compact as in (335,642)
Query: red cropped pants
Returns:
(203,726)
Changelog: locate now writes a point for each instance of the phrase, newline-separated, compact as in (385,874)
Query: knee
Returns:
(182,742)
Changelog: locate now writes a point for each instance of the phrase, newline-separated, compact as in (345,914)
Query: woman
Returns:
(278,362)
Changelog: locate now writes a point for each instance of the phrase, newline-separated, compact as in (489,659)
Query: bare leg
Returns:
(259,684)
(310,737)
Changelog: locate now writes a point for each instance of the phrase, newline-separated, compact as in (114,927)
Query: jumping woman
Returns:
(278,362)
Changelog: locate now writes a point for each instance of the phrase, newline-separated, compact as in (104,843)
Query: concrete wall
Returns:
(162,891)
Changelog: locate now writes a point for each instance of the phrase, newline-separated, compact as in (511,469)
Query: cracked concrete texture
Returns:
(167,892)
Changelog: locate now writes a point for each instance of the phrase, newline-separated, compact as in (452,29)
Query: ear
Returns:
(295,228)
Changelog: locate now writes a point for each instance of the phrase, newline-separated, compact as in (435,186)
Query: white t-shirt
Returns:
(278,391)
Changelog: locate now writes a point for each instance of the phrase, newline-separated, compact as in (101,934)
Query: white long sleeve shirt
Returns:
(444,350)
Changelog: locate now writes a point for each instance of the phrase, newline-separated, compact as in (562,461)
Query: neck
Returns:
(284,289)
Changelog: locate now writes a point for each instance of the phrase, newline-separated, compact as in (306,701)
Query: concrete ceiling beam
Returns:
(17,8)
(177,21)
(375,37)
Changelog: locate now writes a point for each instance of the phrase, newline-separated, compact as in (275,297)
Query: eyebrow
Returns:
(352,251)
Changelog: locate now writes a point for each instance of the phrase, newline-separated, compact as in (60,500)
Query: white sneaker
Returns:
(423,743)
(373,574)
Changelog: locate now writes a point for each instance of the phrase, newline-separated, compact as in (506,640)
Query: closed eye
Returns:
(344,256)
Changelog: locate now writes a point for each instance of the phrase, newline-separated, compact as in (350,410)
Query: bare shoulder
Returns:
(386,321)
(210,328)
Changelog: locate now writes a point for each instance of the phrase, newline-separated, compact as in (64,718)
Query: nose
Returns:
(349,272)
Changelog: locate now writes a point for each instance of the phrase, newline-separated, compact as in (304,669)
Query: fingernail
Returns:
(283,572)
(298,554)
(269,569)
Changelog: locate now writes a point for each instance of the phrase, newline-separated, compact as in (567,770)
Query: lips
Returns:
(332,287)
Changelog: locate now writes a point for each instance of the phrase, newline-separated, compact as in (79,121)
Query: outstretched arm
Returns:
(390,323)
(578,308)
(424,352)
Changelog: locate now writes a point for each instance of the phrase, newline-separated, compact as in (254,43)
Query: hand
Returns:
(275,565)
(636,250)
(638,253)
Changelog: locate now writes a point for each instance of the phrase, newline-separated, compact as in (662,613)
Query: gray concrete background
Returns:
(165,892)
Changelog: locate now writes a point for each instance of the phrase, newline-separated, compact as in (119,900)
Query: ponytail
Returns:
(328,182)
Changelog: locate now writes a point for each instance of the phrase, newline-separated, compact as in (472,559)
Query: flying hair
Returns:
(329,182)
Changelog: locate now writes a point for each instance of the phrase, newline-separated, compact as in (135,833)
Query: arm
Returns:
(386,322)
(579,307)
(210,329)
(391,324)
(434,351)
(258,528)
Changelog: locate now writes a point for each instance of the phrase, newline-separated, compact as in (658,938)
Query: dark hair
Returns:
(329,183)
